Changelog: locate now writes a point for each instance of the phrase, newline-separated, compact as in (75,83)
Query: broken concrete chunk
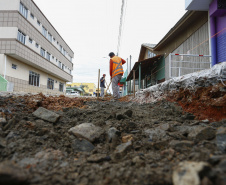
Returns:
(122,149)
(46,115)
(87,130)
(221,139)
(82,145)
(200,133)
(187,173)
(156,134)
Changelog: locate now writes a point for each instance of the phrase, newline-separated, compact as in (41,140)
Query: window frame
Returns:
(34,79)
(50,83)
(21,37)
(48,55)
(23,10)
(61,87)
(43,51)
(44,31)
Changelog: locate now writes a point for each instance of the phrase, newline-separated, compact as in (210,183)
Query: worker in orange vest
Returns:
(116,72)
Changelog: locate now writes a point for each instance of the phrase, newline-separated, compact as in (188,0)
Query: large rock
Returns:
(187,173)
(12,174)
(87,130)
(221,139)
(82,145)
(200,133)
(46,115)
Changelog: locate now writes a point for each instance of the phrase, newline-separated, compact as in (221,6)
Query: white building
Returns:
(33,56)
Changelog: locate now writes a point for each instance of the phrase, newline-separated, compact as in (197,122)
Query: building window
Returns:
(50,83)
(34,78)
(23,10)
(69,71)
(54,39)
(61,87)
(38,22)
(44,31)
(36,45)
(43,52)
(21,37)
(30,40)
(64,52)
(48,56)
(14,66)
(49,37)
(59,64)
(61,48)
(32,16)
(63,66)
(53,57)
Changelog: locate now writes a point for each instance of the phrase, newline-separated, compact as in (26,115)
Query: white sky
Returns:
(91,27)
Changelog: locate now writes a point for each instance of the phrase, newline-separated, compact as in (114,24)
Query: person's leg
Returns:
(102,92)
(115,87)
(119,77)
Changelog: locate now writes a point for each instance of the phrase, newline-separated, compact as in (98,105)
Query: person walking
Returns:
(102,85)
(116,72)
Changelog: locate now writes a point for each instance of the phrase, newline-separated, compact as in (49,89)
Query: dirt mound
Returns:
(205,102)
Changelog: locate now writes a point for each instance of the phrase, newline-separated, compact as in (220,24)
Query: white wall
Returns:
(8,32)
(9,4)
(2,64)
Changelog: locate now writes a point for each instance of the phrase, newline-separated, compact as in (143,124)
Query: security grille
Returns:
(182,64)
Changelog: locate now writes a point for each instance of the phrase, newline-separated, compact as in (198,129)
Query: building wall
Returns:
(197,43)
(20,78)
(27,56)
(91,87)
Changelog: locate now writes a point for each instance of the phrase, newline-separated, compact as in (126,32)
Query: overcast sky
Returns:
(91,28)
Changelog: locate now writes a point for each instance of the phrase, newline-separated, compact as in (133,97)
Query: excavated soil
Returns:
(158,137)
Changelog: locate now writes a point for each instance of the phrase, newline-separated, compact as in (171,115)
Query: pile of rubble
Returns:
(175,136)
(102,142)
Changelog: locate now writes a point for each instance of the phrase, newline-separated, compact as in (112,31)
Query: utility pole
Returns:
(130,86)
(134,83)
(127,90)
(98,83)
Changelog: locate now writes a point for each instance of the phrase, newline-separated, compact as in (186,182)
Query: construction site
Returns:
(171,133)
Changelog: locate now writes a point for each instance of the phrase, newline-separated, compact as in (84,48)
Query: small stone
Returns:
(97,158)
(205,121)
(120,116)
(87,131)
(82,145)
(122,149)
(181,145)
(221,139)
(200,133)
(128,113)
(113,134)
(127,138)
(187,173)
(46,115)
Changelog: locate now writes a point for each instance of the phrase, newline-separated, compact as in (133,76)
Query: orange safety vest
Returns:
(117,66)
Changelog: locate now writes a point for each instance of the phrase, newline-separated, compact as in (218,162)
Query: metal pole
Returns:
(5,66)
(98,84)
(140,76)
(170,65)
(134,83)
(127,76)
(130,86)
